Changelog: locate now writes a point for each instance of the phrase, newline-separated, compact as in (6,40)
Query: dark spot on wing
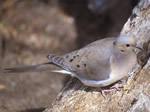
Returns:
(84,65)
(74,56)
(67,56)
(78,66)
(71,60)
(77,55)
(114,43)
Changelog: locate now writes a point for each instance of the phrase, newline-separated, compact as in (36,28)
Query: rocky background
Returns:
(30,29)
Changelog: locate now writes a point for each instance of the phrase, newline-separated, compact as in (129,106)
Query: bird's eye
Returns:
(127,45)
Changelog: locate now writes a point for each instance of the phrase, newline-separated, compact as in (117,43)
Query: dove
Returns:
(98,64)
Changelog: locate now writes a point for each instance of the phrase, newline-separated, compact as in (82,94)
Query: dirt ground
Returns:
(30,29)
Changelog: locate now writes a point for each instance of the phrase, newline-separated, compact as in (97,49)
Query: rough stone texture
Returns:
(135,97)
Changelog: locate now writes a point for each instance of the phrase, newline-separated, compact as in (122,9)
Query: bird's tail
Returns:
(62,72)
(29,68)
(54,60)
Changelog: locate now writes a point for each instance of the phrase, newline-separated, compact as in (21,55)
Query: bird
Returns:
(98,64)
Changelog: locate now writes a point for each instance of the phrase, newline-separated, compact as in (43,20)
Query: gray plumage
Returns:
(98,64)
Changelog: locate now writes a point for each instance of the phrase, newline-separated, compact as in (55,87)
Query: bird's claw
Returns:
(116,86)
(105,90)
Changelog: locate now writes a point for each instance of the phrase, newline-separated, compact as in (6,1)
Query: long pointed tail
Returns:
(30,68)
(54,60)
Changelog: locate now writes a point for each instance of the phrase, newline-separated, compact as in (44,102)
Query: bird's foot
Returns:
(116,86)
(106,90)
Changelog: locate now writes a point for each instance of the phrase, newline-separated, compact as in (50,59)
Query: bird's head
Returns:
(125,44)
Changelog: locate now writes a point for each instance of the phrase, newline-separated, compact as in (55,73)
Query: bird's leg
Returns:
(119,84)
(116,86)
(106,90)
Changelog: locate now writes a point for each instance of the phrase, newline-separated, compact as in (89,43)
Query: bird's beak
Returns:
(138,47)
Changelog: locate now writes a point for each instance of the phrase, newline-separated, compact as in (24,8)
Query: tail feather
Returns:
(58,61)
(62,71)
(30,68)
(54,60)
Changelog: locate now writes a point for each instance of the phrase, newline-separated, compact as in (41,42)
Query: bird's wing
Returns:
(90,62)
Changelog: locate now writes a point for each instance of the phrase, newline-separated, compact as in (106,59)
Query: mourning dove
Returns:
(98,64)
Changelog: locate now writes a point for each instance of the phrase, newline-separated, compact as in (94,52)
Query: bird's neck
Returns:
(118,55)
